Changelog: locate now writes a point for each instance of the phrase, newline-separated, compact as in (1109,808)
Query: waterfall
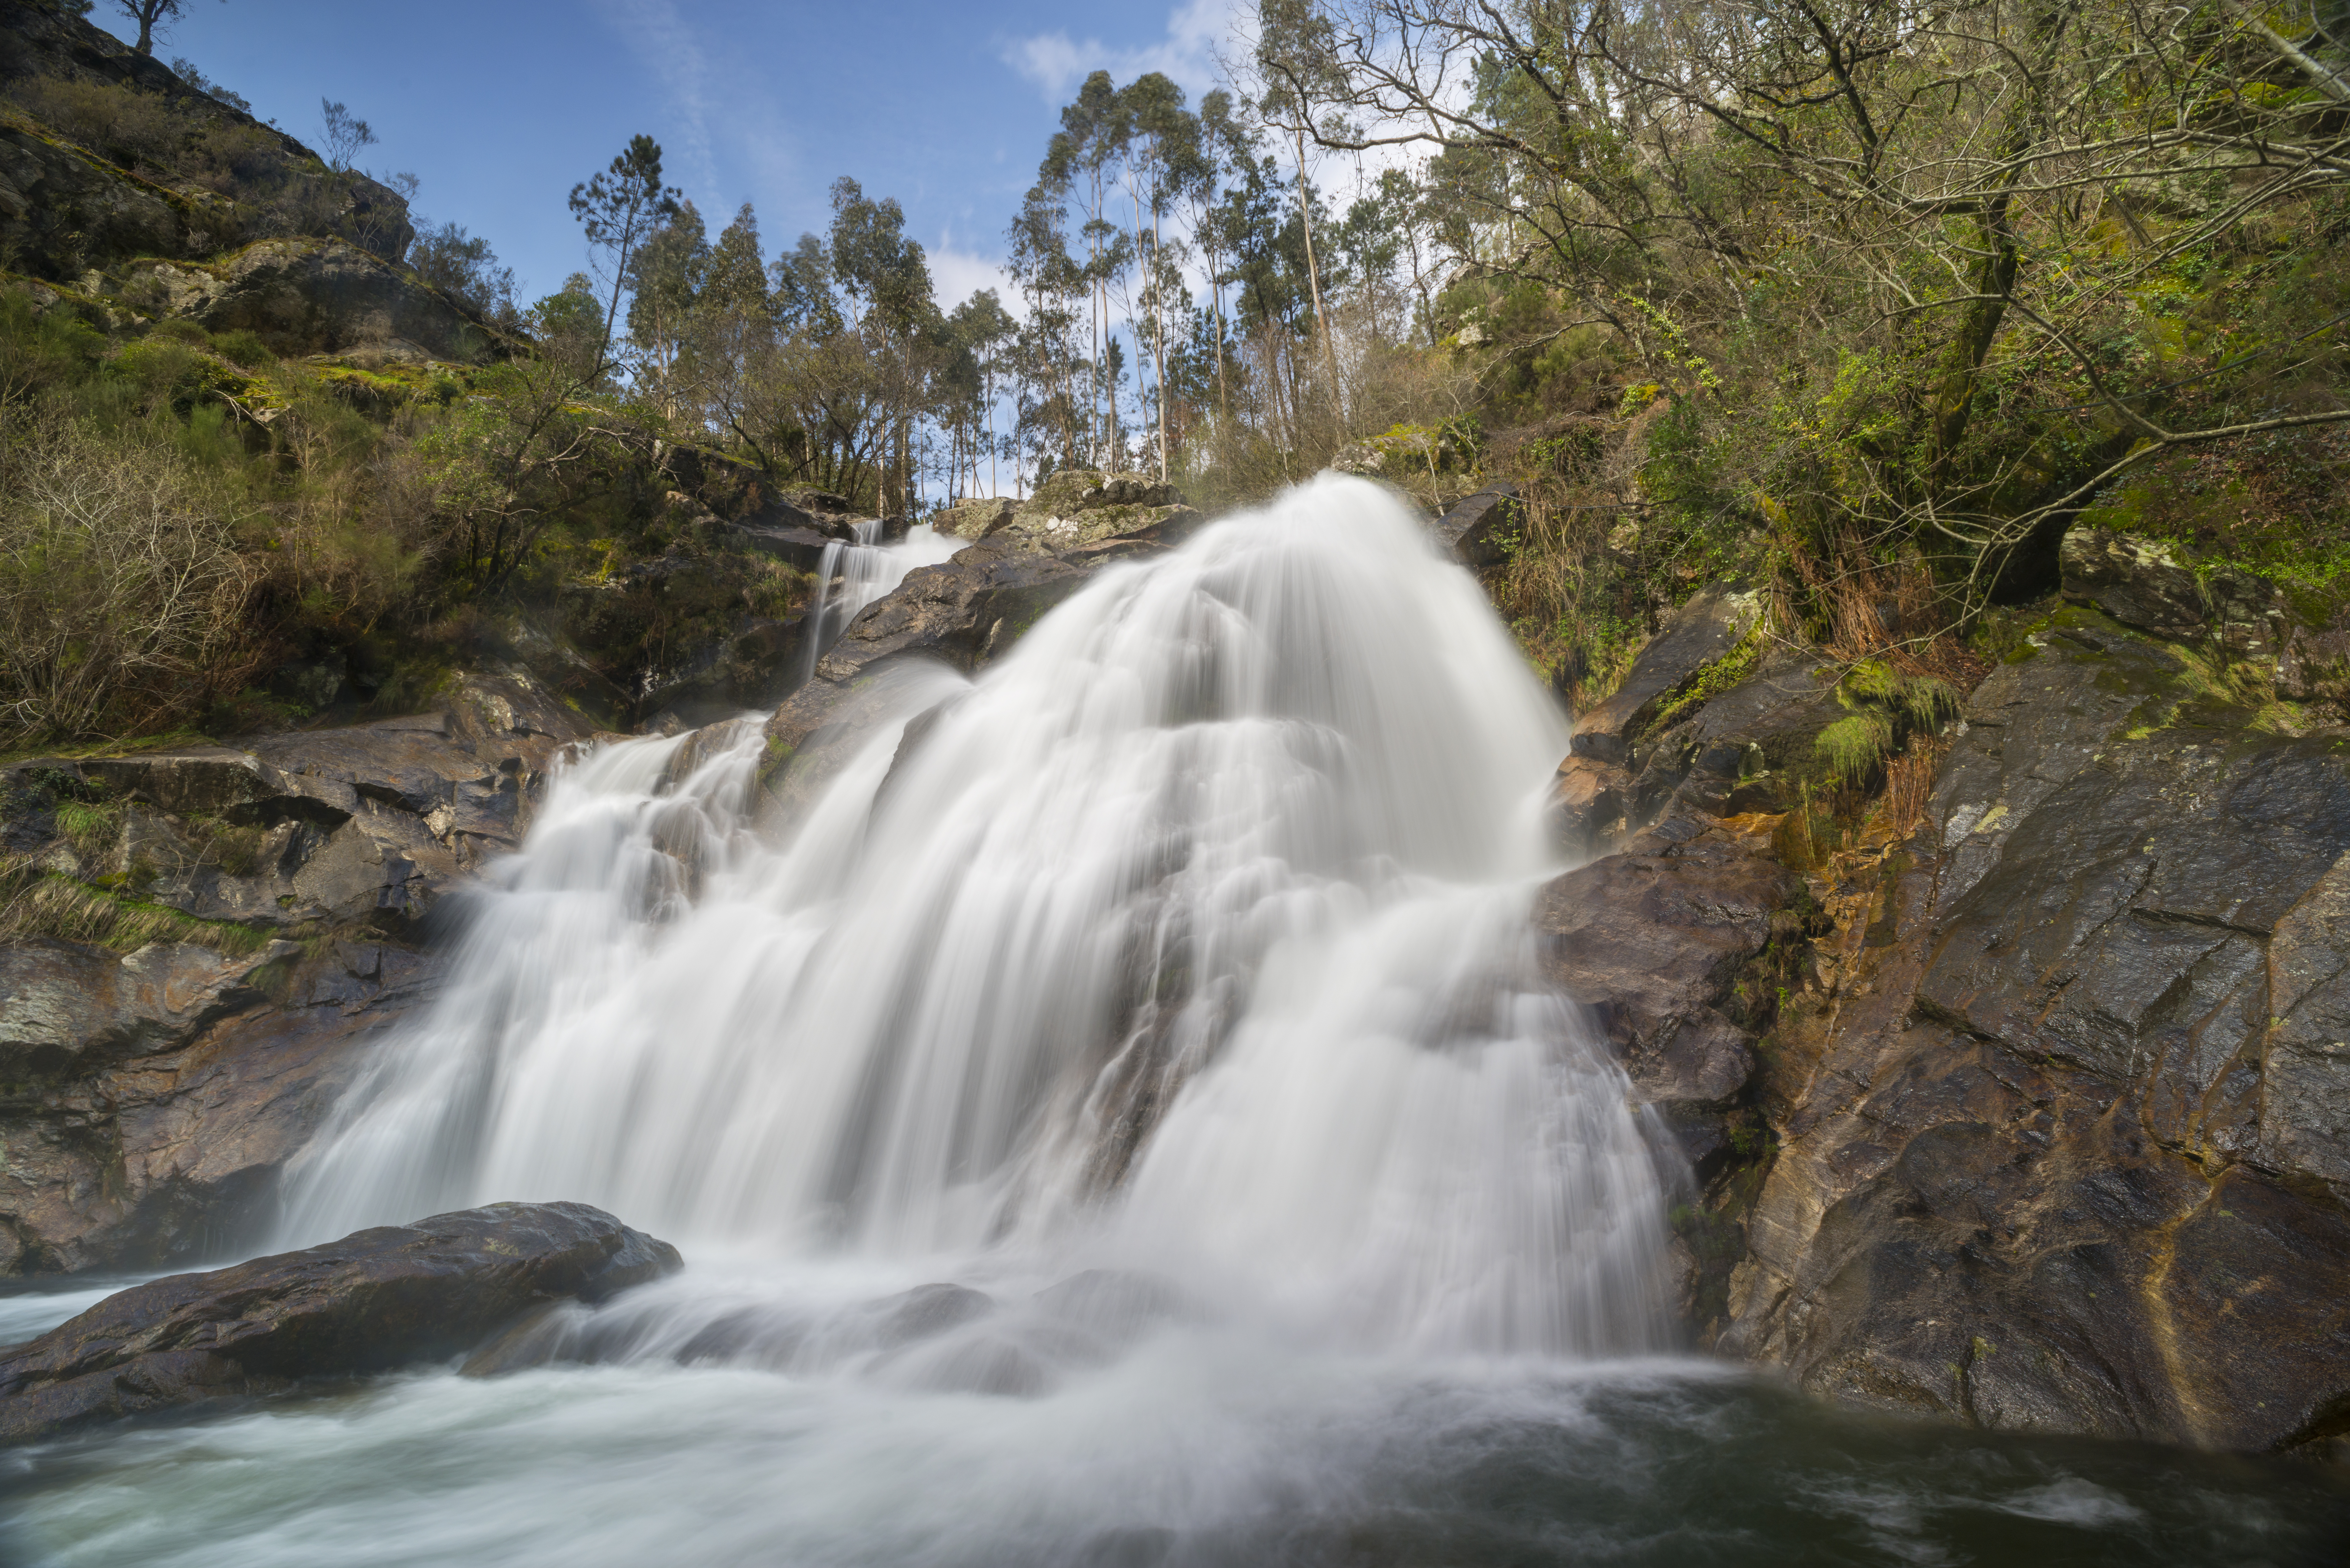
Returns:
(1189,938)
(851,574)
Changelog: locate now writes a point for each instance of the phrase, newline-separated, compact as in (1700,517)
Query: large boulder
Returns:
(373,1301)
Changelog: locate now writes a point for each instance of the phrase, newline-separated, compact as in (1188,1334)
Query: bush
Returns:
(121,124)
(120,588)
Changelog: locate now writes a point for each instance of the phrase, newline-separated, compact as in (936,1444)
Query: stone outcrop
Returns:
(309,297)
(210,942)
(1481,529)
(1677,945)
(1075,509)
(1665,738)
(2241,618)
(963,614)
(2065,1115)
(2040,1117)
(373,1301)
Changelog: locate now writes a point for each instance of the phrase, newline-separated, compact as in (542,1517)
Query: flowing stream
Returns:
(1119,1122)
(851,574)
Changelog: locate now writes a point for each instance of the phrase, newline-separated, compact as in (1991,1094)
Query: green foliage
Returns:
(1884,709)
(38,903)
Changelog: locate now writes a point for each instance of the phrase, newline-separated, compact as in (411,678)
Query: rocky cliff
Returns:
(2034,1114)
(136,197)
(198,947)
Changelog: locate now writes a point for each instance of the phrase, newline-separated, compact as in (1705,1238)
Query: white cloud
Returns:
(1055,63)
(957,275)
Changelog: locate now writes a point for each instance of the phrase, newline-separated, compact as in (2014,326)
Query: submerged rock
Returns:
(375,1300)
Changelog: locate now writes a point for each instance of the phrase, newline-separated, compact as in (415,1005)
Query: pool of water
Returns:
(1198,1443)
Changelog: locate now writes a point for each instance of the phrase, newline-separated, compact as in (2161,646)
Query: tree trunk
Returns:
(1314,279)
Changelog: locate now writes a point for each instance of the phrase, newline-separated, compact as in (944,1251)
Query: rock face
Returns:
(375,1300)
(1677,945)
(1664,739)
(2039,1118)
(209,942)
(172,173)
(1479,529)
(2068,1123)
(963,614)
(309,297)
(2241,618)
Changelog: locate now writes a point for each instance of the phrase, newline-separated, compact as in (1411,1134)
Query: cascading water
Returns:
(852,573)
(1119,1126)
(1190,936)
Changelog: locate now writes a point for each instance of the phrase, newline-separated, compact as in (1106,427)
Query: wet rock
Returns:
(2136,581)
(173,1152)
(1656,941)
(2064,1142)
(1611,784)
(66,1010)
(803,547)
(2142,584)
(375,1300)
(154,1095)
(963,614)
(1704,629)
(1479,529)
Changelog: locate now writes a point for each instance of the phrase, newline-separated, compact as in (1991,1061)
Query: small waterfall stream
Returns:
(852,573)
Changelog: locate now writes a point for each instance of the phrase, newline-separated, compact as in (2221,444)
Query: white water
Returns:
(850,576)
(1189,938)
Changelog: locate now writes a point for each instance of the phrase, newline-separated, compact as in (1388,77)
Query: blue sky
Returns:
(500,106)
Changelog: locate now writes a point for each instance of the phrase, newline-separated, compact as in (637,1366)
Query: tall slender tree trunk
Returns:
(1159,324)
(1314,279)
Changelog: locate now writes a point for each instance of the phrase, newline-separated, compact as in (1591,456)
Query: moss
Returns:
(773,759)
(1724,673)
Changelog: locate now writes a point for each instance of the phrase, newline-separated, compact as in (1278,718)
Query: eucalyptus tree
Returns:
(985,330)
(885,279)
(1159,135)
(1045,356)
(1302,83)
